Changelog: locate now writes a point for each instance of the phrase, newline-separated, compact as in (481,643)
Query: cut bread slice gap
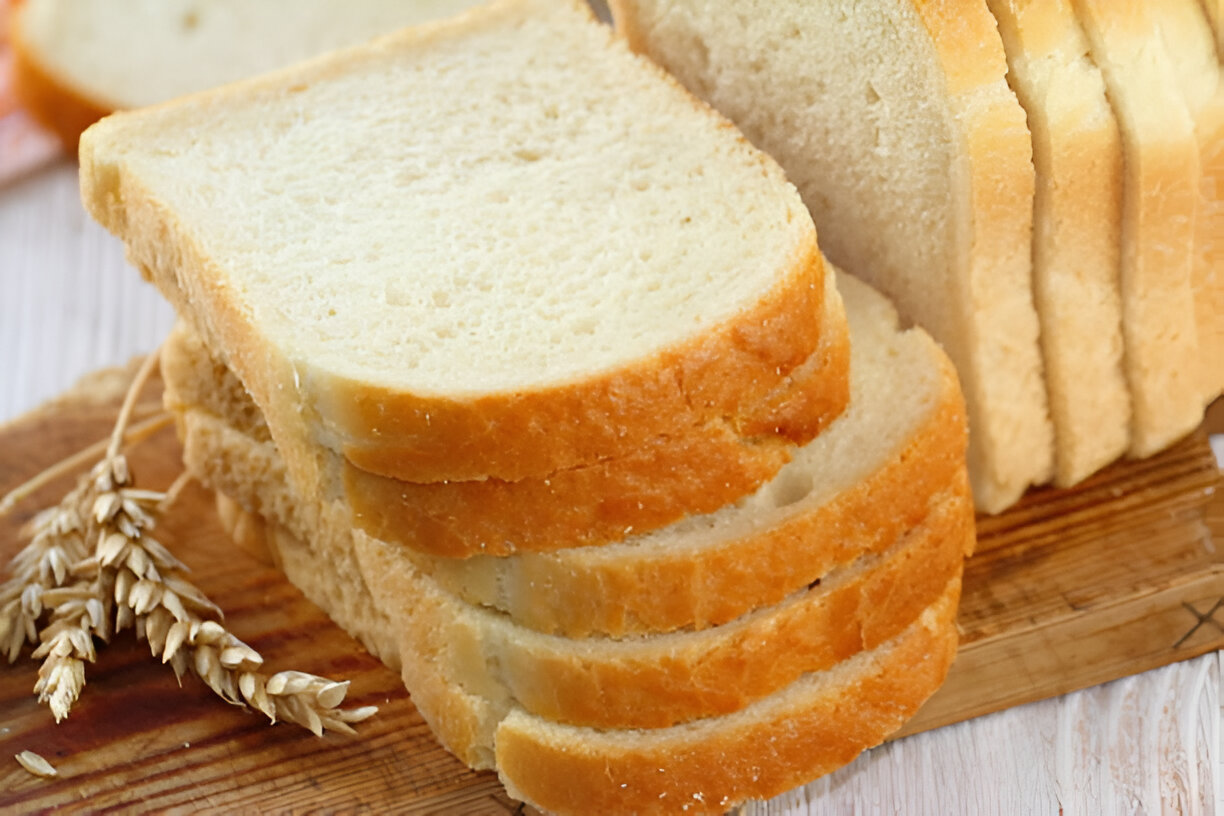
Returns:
(1077,224)
(666,480)
(498,246)
(809,728)
(75,62)
(877,472)
(896,123)
(1159,208)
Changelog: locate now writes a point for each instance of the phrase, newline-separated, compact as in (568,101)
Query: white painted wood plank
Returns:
(1144,744)
(71,302)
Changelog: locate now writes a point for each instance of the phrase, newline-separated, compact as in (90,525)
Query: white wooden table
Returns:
(1147,744)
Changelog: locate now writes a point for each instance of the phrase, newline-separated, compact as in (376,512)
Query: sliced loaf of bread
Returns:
(1187,38)
(896,122)
(648,679)
(667,480)
(895,456)
(811,727)
(1077,226)
(77,62)
(499,246)
(1159,208)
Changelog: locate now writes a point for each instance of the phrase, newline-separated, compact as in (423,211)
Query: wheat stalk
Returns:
(130,578)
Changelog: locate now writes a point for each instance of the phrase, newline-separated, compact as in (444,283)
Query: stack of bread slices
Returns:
(527,368)
(1037,182)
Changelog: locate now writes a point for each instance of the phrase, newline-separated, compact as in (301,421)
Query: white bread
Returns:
(652,680)
(896,455)
(1188,41)
(664,482)
(528,263)
(332,582)
(1159,200)
(813,726)
(1077,224)
(78,61)
(896,122)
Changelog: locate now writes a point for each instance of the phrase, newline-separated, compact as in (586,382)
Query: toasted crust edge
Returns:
(641,683)
(699,472)
(655,590)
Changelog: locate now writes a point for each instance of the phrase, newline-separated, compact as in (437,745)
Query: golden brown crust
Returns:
(639,683)
(660,590)
(580,591)
(755,754)
(724,373)
(662,481)
(55,105)
(667,479)
(781,741)
(655,682)
(728,374)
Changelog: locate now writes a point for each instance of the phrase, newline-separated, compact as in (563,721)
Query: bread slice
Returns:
(813,726)
(1159,207)
(877,472)
(1077,224)
(653,681)
(896,122)
(539,253)
(77,62)
(1187,38)
(590,505)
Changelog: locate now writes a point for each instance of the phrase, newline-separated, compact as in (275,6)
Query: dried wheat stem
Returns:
(132,579)
(129,401)
(172,492)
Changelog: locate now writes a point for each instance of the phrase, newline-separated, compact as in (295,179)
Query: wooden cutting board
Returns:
(1069,589)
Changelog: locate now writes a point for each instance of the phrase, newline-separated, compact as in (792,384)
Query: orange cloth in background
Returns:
(24,146)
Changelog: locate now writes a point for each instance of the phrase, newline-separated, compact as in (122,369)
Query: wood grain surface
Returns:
(137,741)
(1070,589)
